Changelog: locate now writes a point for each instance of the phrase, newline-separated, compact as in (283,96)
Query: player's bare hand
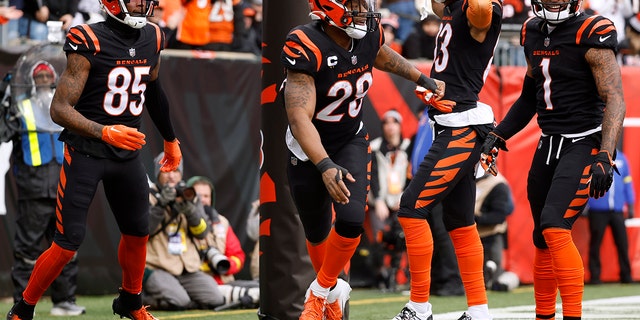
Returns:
(333,177)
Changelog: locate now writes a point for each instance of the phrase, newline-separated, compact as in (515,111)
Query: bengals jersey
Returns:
(567,96)
(114,90)
(342,78)
(459,60)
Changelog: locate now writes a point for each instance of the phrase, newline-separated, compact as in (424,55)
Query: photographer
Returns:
(221,249)
(222,253)
(173,279)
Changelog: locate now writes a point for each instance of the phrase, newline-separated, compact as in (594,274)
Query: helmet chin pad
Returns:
(546,11)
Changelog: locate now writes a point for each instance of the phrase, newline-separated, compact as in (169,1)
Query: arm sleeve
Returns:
(234,252)
(158,108)
(521,112)
(479,13)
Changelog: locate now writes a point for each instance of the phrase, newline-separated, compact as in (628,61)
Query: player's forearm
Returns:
(390,61)
(67,117)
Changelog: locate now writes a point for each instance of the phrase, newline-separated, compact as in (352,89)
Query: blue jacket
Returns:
(621,191)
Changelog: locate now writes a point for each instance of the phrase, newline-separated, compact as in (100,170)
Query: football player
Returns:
(329,65)
(573,84)
(111,73)
(464,51)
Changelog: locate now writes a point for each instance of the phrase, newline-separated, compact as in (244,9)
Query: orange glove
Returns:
(445,106)
(172,156)
(123,137)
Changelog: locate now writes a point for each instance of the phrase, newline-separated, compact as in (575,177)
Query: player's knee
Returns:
(348,229)
(538,240)
(71,240)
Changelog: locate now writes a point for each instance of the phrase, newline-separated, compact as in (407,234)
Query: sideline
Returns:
(610,308)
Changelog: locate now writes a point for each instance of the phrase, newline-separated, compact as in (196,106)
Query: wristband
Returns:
(325,164)
(427,83)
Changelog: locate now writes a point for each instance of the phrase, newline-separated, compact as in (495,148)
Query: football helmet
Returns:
(355,17)
(555,12)
(117,9)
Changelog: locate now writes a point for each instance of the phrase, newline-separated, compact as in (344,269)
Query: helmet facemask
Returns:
(354,17)
(137,18)
(555,12)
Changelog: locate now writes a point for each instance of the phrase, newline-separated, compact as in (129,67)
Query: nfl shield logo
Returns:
(354,60)
(546,41)
(132,52)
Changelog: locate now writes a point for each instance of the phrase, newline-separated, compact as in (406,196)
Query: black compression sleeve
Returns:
(158,108)
(521,112)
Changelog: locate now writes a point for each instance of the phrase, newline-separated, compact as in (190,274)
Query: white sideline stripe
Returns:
(610,308)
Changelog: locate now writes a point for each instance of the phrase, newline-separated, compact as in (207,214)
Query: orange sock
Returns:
(469,252)
(568,269)
(545,286)
(342,250)
(316,253)
(419,252)
(132,255)
(47,268)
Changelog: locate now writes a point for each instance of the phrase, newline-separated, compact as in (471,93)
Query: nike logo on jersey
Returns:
(73,46)
(603,39)
(292,61)
(440,132)
(577,139)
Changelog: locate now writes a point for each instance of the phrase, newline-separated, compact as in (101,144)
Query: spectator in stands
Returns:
(494,203)
(173,279)
(222,251)
(609,211)
(33,24)
(390,167)
(422,41)
(89,11)
(36,161)
(629,54)
(248,40)
(9,13)
(390,27)
(515,12)
(407,16)
(9,18)
(226,25)
(193,25)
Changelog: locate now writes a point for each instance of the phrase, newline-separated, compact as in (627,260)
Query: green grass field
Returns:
(366,304)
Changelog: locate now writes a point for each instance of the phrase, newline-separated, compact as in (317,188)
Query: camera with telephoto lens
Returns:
(218,261)
(184,192)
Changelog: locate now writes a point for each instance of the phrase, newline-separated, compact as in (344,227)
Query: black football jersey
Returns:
(567,97)
(114,90)
(342,78)
(459,60)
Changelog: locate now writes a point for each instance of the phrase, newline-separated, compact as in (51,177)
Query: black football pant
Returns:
(557,186)
(313,201)
(125,186)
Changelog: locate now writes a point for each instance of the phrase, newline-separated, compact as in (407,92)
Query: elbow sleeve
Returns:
(479,13)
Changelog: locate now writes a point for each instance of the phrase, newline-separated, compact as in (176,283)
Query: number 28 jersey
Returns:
(342,78)
(114,90)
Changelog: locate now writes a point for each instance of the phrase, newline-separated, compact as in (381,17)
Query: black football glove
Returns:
(601,174)
(489,152)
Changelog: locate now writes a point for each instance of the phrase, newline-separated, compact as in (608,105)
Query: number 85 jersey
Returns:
(342,78)
(121,63)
